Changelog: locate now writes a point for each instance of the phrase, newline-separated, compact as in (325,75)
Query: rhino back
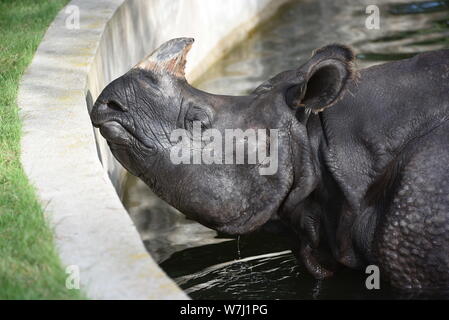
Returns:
(385,111)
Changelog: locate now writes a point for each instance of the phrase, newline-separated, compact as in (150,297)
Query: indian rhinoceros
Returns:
(362,156)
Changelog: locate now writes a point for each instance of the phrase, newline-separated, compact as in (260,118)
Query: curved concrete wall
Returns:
(60,150)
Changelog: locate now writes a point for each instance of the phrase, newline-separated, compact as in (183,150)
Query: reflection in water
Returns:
(258,265)
(419,7)
(261,272)
(302,26)
(163,229)
(265,270)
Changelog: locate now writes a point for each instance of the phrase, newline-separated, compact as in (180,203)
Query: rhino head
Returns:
(138,113)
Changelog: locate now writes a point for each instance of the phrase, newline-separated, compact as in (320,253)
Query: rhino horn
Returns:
(170,57)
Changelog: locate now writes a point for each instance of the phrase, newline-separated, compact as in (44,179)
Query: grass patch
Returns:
(29,265)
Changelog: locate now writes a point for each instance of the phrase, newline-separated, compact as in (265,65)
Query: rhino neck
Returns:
(335,193)
(358,137)
(342,145)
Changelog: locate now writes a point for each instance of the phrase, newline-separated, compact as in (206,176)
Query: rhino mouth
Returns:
(115,133)
(119,140)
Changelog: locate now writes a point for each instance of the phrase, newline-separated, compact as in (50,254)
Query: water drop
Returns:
(238,248)
(316,291)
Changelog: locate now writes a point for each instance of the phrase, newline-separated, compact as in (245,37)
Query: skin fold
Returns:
(362,157)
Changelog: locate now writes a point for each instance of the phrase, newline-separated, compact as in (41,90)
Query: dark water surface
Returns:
(259,266)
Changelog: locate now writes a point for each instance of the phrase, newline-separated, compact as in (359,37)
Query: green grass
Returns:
(29,265)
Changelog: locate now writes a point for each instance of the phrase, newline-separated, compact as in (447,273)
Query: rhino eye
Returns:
(197,114)
(151,78)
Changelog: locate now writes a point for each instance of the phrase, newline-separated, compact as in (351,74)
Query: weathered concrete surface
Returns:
(59,149)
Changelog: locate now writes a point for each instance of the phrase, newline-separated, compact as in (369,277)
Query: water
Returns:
(265,269)
(300,27)
(260,266)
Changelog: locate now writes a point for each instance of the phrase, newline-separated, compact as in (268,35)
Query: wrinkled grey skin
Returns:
(363,157)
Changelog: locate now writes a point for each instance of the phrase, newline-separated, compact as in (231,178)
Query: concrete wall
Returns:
(60,149)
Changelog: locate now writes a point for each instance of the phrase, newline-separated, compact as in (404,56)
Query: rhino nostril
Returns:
(114,105)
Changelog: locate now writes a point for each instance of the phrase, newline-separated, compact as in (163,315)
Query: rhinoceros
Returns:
(362,156)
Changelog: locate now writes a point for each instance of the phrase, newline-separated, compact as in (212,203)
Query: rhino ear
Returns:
(169,58)
(325,77)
